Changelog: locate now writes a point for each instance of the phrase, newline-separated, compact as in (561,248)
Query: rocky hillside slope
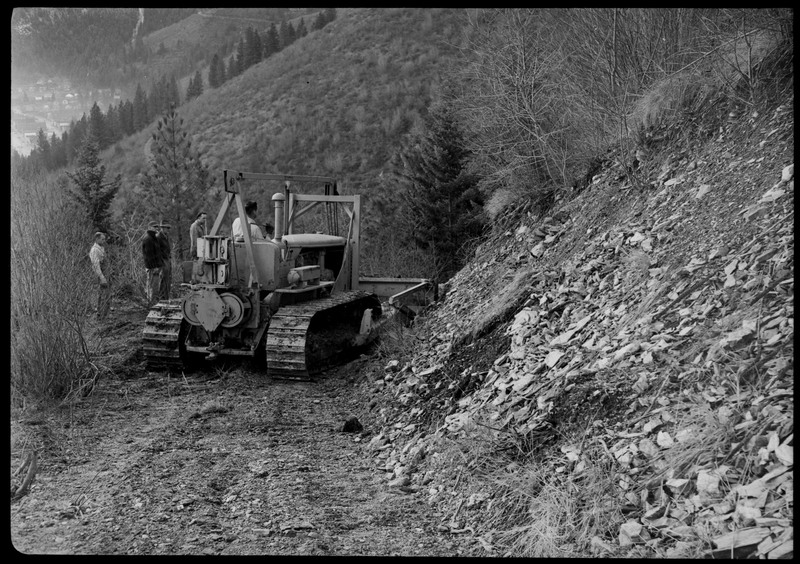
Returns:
(616,378)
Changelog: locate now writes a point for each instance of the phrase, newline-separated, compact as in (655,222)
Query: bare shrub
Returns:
(127,262)
(52,291)
(738,61)
(545,91)
(518,110)
(386,256)
(619,56)
(726,60)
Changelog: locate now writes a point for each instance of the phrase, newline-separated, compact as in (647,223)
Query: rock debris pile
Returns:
(650,322)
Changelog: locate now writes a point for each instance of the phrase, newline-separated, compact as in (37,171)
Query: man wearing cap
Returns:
(152,263)
(97,254)
(251,209)
(166,261)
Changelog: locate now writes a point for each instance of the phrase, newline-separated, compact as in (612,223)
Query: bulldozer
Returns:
(295,303)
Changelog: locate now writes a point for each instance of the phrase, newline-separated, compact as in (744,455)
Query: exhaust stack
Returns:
(278,200)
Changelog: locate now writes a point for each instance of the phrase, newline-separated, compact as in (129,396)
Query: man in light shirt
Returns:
(251,209)
(97,254)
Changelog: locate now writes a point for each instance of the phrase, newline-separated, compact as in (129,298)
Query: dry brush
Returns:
(51,291)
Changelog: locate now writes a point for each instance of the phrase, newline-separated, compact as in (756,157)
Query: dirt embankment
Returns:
(216,462)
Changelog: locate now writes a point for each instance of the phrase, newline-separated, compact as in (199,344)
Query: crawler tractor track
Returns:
(304,339)
(161,336)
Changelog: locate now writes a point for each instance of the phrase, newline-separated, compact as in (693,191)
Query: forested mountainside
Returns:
(118,47)
(338,101)
(86,45)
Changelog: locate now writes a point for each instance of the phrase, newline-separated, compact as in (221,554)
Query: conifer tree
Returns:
(90,188)
(253,47)
(173,94)
(156,98)
(214,75)
(301,29)
(113,127)
(291,33)
(286,34)
(198,83)
(126,117)
(77,131)
(195,87)
(240,58)
(43,149)
(174,186)
(58,150)
(140,113)
(272,42)
(97,123)
(320,20)
(247,42)
(441,205)
(163,94)
(258,47)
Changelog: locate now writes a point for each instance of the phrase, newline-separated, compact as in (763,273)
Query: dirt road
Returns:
(221,462)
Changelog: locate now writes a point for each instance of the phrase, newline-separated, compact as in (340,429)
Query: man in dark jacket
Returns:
(196,231)
(166,260)
(151,252)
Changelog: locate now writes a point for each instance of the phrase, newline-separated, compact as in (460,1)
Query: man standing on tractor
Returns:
(97,254)
(166,259)
(251,209)
(151,252)
(196,231)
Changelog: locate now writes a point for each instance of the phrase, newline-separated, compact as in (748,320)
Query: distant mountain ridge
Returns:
(53,41)
(99,45)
